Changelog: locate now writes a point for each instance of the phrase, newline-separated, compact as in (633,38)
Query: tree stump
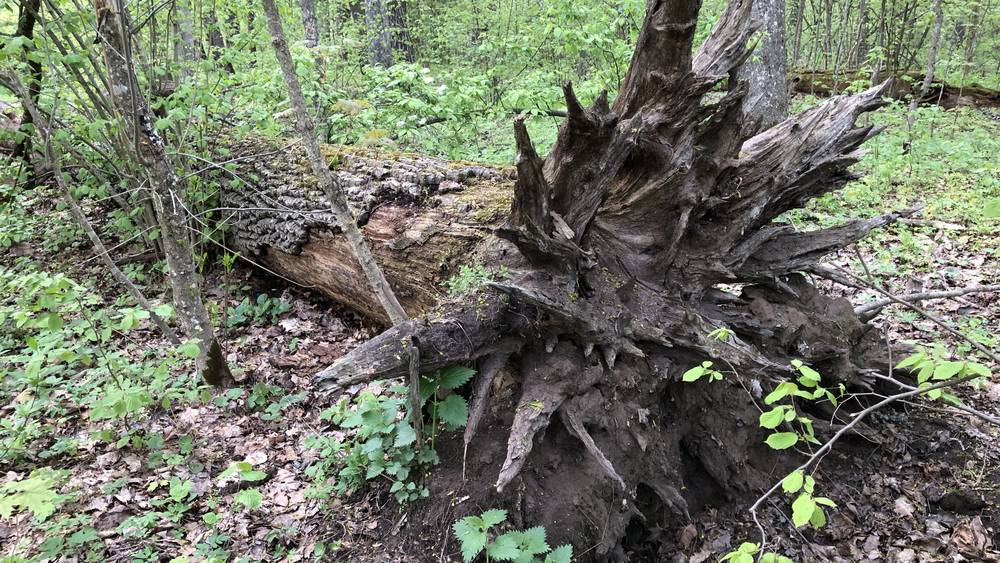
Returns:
(649,225)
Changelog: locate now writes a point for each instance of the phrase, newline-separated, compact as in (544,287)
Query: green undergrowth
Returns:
(952,167)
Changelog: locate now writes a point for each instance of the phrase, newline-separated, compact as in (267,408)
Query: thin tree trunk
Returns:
(879,43)
(765,73)
(828,34)
(841,37)
(330,185)
(186,50)
(800,15)
(114,32)
(26,29)
(45,128)
(861,36)
(925,86)
(308,8)
(972,30)
(378,31)
(323,21)
(216,41)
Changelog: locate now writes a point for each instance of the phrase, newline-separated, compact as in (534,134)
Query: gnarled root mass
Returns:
(618,247)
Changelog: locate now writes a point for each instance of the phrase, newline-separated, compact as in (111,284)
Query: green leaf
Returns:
(36,493)
(802,510)
(947,370)
(925,373)
(453,377)
(977,369)
(809,373)
(782,440)
(793,482)
(504,548)
(911,360)
(471,537)
(179,489)
(252,476)
(164,311)
(493,517)
(453,411)
(211,518)
(825,502)
(746,549)
(693,374)
(189,349)
(818,518)
(772,418)
(405,435)
(82,536)
(561,554)
(249,498)
(992,208)
(532,540)
(53,321)
(783,389)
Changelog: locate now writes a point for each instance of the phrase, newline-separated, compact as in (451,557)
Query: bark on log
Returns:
(422,217)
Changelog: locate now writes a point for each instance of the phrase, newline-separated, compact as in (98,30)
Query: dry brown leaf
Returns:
(903,507)
(970,536)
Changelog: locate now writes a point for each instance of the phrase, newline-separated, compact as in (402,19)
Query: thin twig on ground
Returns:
(869,310)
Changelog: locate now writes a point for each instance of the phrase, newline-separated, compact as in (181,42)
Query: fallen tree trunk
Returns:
(902,85)
(607,283)
(423,218)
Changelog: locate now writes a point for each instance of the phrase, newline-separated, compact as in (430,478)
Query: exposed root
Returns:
(532,415)
(575,425)
(465,334)
(488,370)
(547,381)
(783,250)
(871,310)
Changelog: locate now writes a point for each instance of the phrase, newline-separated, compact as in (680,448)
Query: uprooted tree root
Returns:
(616,246)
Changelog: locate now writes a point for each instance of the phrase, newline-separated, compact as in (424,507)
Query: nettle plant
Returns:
(59,355)
(379,439)
(933,369)
(476,536)
(262,311)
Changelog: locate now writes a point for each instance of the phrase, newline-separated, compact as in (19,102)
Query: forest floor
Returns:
(151,483)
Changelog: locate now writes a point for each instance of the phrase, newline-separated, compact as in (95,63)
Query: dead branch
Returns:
(868,311)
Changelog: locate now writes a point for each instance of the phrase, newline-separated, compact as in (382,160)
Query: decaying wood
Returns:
(421,216)
(901,86)
(609,273)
